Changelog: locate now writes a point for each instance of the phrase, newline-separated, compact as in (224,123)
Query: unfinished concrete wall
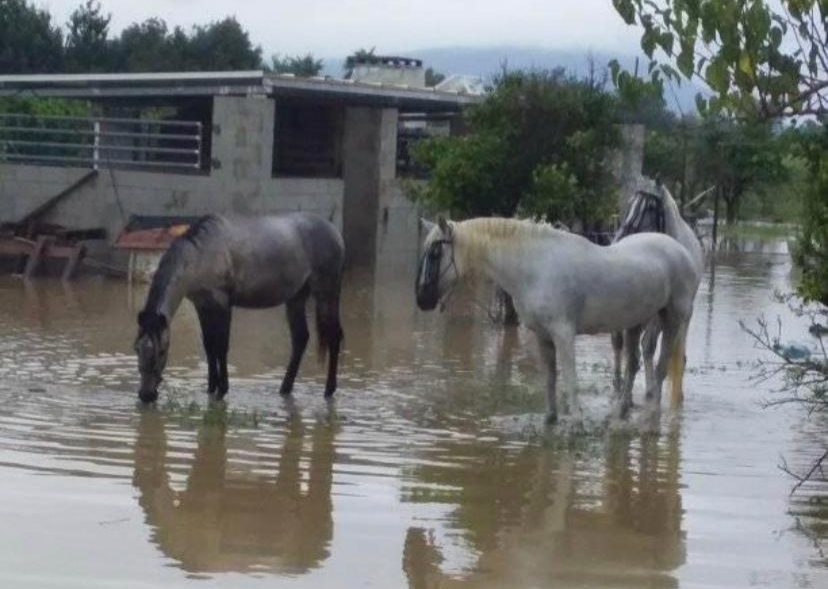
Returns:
(628,162)
(369,171)
(241,182)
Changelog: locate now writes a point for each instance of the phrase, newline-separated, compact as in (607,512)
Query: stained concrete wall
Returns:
(242,182)
(369,171)
(628,162)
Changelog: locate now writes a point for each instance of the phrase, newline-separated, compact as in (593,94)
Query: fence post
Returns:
(96,155)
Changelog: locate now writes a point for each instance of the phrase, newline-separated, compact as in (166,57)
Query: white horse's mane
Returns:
(475,236)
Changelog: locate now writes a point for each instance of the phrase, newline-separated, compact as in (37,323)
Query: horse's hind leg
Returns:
(669,336)
(330,335)
(632,338)
(547,351)
(298,338)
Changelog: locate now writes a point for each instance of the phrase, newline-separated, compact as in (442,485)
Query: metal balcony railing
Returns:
(97,142)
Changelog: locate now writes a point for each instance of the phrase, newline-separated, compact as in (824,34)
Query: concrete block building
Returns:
(258,143)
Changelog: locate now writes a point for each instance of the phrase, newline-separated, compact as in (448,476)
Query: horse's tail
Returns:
(328,328)
(676,366)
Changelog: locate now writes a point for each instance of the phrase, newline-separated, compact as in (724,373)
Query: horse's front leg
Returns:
(208,340)
(223,317)
(617,349)
(565,357)
(632,339)
(298,338)
(547,352)
(649,342)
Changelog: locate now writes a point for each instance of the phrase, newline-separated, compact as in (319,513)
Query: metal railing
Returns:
(101,142)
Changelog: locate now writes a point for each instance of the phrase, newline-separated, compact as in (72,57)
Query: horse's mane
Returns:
(197,230)
(168,265)
(476,235)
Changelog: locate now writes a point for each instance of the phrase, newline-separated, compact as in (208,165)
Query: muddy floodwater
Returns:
(430,469)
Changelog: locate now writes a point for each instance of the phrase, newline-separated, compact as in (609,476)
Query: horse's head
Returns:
(437,272)
(644,214)
(151,345)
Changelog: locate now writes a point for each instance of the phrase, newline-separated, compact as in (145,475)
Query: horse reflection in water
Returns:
(550,521)
(226,520)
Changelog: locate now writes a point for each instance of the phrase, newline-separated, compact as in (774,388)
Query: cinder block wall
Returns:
(242,183)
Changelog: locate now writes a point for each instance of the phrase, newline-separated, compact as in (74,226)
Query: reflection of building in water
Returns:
(226,520)
(539,516)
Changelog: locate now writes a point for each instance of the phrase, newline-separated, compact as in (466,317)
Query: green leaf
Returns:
(626,9)
(717,75)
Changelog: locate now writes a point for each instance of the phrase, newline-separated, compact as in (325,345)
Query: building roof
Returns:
(236,83)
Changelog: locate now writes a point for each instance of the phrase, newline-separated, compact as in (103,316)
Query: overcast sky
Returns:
(333,28)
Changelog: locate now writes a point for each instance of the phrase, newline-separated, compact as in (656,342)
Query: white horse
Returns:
(564,285)
(653,210)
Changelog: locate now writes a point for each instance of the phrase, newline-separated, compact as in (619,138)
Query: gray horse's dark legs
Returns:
(223,317)
(208,339)
(215,335)
(333,361)
(298,338)
(330,335)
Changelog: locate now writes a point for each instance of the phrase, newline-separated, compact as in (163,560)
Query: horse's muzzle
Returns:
(148,396)
(427,298)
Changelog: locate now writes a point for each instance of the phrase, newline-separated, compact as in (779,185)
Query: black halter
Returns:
(643,203)
(429,267)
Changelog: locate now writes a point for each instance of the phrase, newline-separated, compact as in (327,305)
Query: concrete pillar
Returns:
(369,170)
(243,148)
(628,162)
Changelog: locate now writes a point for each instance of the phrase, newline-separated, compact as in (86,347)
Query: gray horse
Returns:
(255,262)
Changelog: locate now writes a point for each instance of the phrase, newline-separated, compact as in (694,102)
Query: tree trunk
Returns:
(730,210)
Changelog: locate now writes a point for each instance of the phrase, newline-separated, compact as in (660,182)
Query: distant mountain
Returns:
(487,61)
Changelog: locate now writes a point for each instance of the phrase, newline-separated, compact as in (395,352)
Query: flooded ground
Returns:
(429,469)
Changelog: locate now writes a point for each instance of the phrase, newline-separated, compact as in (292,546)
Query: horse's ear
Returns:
(426,225)
(445,227)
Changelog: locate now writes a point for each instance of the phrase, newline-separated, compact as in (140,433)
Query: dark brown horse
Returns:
(253,262)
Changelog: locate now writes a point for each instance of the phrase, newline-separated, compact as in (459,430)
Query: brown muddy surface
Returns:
(430,469)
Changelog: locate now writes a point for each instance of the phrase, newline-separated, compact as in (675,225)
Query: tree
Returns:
(29,43)
(358,56)
(146,47)
(87,47)
(302,66)
(151,47)
(758,59)
(223,45)
(433,77)
(738,157)
(537,135)
(811,254)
